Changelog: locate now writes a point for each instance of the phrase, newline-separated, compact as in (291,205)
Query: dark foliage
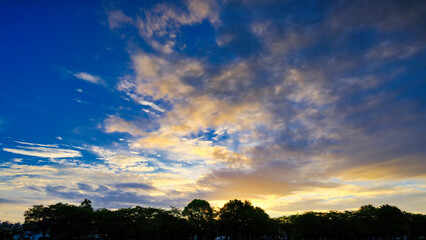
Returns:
(235,220)
(369,222)
(239,220)
(9,230)
(200,218)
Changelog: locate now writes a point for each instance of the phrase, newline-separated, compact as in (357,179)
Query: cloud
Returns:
(391,50)
(205,112)
(272,178)
(102,183)
(410,201)
(44,152)
(122,161)
(134,185)
(88,77)
(159,78)
(152,105)
(4,200)
(363,14)
(116,124)
(38,144)
(160,25)
(17,159)
(129,163)
(195,150)
(117,19)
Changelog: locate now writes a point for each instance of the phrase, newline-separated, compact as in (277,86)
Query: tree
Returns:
(238,219)
(309,225)
(366,221)
(38,218)
(200,218)
(416,225)
(86,204)
(392,222)
(61,220)
(70,221)
(10,230)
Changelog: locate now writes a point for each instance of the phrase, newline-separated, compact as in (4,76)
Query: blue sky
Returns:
(294,105)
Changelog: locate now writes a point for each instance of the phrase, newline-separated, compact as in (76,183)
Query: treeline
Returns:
(198,220)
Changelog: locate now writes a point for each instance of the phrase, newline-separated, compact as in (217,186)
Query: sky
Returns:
(293,105)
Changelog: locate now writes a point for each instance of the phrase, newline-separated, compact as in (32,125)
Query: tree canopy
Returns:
(235,220)
(240,219)
(200,217)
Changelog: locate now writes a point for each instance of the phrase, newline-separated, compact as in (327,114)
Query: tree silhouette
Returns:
(238,219)
(37,218)
(10,230)
(392,222)
(200,218)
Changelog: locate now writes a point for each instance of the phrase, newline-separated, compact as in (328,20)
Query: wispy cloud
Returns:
(38,144)
(117,18)
(43,150)
(160,25)
(134,185)
(116,124)
(89,77)
(151,104)
(123,161)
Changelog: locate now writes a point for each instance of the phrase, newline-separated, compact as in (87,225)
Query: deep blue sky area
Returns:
(42,43)
(318,104)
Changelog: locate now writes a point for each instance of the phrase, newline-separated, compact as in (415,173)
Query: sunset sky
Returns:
(293,105)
